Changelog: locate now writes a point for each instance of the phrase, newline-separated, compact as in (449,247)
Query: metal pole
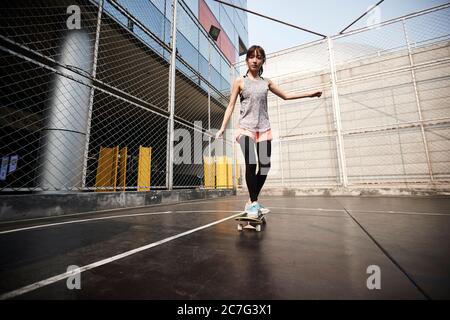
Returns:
(209,99)
(337,118)
(164,27)
(387,22)
(370,9)
(273,19)
(173,57)
(234,165)
(280,151)
(91,98)
(419,110)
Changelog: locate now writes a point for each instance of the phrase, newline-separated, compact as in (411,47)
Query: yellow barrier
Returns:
(236,179)
(144,168)
(218,173)
(107,169)
(209,172)
(229,173)
(221,172)
(123,169)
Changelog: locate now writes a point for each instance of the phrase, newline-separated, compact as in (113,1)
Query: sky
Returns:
(327,17)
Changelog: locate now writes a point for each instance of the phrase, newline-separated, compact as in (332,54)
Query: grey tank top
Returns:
(253,114)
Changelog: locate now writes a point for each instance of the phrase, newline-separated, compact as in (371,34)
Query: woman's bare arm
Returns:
(230,108)
(291,96)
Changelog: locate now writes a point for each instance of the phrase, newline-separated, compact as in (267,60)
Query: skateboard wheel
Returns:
(258,228)
(239,227)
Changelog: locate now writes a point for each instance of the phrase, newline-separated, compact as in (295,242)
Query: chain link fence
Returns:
(85,98)
(86,102)
(384,117)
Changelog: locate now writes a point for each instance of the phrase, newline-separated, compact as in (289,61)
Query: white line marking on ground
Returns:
(215,211)
(213,200)
(65,275)
(366,211)
(403,212)
(307,209)
(83,220)
(109,217)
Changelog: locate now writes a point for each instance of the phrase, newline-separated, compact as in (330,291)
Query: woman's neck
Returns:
(253,75)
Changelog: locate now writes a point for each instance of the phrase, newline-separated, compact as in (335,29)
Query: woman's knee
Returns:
(247,146)
(264,168)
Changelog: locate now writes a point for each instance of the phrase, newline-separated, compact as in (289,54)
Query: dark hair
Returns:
(253,50)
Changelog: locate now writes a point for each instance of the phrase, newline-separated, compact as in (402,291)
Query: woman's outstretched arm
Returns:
(230,108)
(291,96)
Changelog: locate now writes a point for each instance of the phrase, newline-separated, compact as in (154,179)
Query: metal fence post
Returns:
(280,146)
(172,69)
(91,98)
(416,95)
(209,103)
(337,118)
(234,165)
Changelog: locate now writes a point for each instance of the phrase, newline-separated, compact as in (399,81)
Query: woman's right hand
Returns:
(317,94)
(219,134)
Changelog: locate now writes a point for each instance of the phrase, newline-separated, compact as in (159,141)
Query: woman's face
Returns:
(255,61)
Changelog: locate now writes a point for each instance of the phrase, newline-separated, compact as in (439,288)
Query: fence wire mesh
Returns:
(383,118)
(87,108)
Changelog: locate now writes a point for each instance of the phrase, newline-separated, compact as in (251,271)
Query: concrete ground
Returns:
(311,248)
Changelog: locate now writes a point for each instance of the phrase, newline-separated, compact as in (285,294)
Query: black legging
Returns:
(255,181)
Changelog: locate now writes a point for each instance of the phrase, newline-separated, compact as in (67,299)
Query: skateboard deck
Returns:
(245,222)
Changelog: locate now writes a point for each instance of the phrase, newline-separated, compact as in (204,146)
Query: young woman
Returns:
(254,133)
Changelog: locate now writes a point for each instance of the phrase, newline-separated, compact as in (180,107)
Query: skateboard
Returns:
(245,222)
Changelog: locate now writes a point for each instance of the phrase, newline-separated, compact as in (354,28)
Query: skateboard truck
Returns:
(251,223)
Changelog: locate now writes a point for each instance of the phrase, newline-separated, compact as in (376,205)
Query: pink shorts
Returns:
(256,136)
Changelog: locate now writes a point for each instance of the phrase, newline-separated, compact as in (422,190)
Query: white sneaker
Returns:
(263,209)
(253,211)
